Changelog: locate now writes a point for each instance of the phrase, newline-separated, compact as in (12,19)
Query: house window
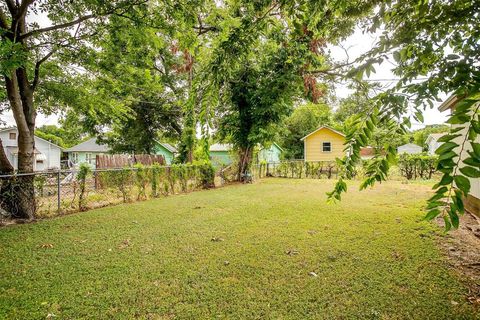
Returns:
(90,158)
(74,157)
(326,146)
(12,135)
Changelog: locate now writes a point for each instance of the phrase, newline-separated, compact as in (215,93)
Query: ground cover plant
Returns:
(270,250)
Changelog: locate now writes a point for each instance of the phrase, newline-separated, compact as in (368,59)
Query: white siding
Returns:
(409,148)
(51,152)
(475,182)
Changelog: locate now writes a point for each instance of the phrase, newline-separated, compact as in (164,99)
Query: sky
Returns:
(357,44)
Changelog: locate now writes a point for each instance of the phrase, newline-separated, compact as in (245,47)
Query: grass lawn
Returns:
(240,252)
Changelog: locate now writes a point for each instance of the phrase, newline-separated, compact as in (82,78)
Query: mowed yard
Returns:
(270,250)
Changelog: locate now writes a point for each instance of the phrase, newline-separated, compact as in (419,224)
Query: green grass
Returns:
(373,256)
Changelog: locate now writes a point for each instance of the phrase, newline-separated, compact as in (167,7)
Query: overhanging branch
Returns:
(58,26)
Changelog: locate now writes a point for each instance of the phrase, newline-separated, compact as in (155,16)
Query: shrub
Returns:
(83,172)
(206,173)
(413,166)
(141,180)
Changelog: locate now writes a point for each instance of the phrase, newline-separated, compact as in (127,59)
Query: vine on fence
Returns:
(82,175)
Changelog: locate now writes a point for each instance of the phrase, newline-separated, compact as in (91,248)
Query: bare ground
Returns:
(462,248)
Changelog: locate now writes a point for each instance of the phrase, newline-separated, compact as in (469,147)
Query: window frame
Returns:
(90,158)
(324,144)
(12,134)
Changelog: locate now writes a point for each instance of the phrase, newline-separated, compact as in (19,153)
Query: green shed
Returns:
(270,154)
(221,154)
(166,150)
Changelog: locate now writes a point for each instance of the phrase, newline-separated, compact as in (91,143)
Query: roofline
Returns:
(50,143)
(163,145)
(449,103)
(15,128)
(323,127)
(87,150)
(281,149)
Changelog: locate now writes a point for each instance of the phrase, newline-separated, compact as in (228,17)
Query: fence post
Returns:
(58,191)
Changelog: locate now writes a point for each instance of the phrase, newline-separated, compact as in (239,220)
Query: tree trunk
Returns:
(244,164)
(20,96)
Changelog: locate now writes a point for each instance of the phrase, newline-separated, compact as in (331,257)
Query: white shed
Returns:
(432,142)
(409,148)
(47,154)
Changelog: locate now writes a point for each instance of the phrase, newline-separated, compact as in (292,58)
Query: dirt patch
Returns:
(462,247)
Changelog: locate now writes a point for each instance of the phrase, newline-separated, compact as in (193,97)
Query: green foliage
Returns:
(413,166)
(121,179)
(457,163)
(83,172)
(432,42)
(304,119)
(141,180)
(206,175)
(68,134)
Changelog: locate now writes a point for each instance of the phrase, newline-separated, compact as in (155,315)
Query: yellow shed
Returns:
(323,144)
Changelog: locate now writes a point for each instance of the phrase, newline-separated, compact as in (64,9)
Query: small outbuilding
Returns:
(323,144)
(409,148)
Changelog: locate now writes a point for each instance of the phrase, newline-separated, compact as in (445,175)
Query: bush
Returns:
(206,173)
(141,180)
(413,166)
(82,175)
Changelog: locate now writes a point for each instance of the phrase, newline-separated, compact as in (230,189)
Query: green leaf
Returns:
(432,214)
(458,119)
(448,225)
(447,146)
(476,148)
(448,137)
(462,183)
(447,155)
(470,172)
(454,218)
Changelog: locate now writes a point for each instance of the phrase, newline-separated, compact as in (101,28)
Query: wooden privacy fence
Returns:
(109,161)
(297,169)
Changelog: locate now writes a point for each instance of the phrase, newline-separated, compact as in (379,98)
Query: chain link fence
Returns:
(67,191)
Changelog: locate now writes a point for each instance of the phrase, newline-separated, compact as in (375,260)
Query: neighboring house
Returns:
(220,154)
(409,148)
(47,154)
(166,150)
(472,202)
(432,142)
(270,154)
(367,153)
(86,152)
(323,144)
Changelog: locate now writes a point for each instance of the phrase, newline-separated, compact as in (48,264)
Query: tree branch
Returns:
(37,67)
(58,26)
(23,8)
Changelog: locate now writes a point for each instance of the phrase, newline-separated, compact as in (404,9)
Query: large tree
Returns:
(271,56)
(25,48)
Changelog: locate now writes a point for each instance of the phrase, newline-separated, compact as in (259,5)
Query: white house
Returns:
(472,202)
(409,148)
(47,154)
(432,142)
